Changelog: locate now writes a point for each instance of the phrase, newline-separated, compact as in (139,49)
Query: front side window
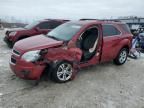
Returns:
(89,38)
(65,31)
(110,30)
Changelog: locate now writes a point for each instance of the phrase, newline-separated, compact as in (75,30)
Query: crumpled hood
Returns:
(36,42)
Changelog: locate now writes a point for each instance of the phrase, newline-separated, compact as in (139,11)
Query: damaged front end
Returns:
(55,56)
(28,66)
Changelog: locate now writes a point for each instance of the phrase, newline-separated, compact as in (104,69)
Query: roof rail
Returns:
(57,19)
(87,19)
(66,20)
(113,20)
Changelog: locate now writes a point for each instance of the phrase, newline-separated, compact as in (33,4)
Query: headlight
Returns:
(12,33)
(31,56)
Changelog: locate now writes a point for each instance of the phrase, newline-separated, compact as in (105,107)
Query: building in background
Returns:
(4,24)
(134,22)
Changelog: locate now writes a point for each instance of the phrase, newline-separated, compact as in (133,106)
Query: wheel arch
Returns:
(127,47)
(50,66)
(125,44)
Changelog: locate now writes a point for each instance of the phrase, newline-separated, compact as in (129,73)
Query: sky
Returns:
(70,9)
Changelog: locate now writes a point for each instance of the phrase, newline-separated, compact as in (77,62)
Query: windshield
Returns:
(65,31)
(29,26)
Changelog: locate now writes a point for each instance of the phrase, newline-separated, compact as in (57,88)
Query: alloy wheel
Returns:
(64,72)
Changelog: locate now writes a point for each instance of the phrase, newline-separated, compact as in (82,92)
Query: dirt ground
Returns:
(101,86)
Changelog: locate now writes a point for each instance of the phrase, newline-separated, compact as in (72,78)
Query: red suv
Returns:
(69,47)
(36,28)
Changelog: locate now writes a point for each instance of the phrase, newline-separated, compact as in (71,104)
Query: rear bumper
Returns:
(29,72)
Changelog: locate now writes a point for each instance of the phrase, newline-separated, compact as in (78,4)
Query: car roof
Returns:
(85,22)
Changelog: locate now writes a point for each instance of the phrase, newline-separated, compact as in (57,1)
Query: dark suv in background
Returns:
(35,28)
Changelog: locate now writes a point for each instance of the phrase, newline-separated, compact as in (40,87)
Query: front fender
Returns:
(59,54)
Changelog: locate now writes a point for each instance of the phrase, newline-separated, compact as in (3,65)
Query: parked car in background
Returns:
(141,40)
(36,28)
(69,47)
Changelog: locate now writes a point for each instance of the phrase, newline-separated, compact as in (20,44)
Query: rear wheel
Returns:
(122,57)
(62,72)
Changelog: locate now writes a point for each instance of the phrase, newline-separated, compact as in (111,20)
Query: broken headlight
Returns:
(31,56)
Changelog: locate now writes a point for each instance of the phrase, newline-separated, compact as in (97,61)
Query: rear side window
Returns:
(49,24)
(110,30)
(44,25)
(126,28)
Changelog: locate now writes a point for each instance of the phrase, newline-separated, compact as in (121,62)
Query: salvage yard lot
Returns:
(101,86)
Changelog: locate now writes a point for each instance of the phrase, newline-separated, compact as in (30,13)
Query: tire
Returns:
(62,72)
(121,57)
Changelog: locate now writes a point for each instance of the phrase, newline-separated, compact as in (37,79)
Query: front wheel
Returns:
(62,72)
(122,57)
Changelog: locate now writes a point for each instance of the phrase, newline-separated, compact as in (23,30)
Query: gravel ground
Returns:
(101,86)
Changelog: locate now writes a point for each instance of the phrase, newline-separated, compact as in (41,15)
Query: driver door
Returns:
(90,45)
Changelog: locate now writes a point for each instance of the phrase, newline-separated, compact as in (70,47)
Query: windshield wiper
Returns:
(53,37)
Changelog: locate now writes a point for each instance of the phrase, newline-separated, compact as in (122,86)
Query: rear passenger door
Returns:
(44,27)
(111,39)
